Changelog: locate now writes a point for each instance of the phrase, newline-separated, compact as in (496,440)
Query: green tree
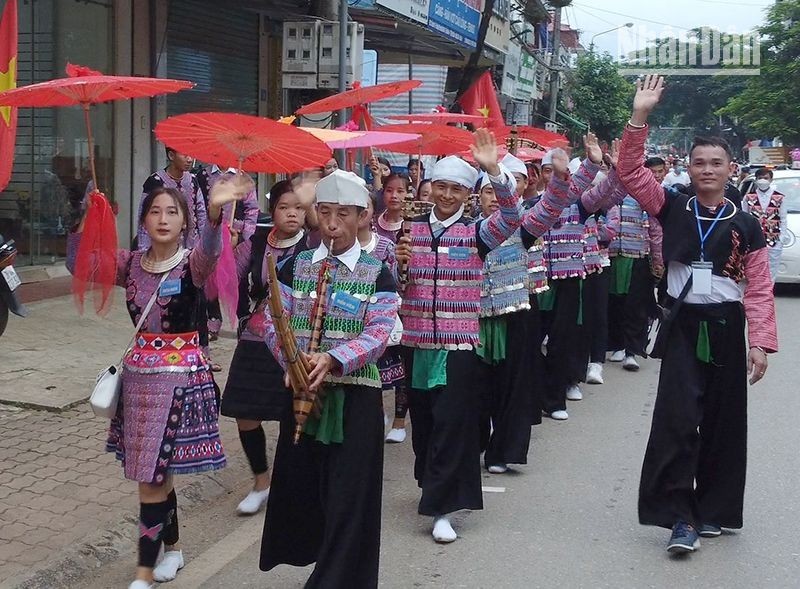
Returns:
(599,95)
(769,105)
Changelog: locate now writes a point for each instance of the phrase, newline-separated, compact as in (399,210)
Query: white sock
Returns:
(442,530)
(169,566)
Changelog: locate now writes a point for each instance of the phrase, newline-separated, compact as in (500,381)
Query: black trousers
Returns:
(325,500)
(567,348)
(507,388)
(444,435)
(694,466)
(628,314)
(595,314)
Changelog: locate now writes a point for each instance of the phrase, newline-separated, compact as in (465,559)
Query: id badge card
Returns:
(458,253)
(170,288)
(701,278)
(346,302)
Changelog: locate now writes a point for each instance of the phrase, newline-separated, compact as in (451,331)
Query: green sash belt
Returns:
(493,339)
(621,271)
(430,369)
(329,426)
(547,299)
(703,348)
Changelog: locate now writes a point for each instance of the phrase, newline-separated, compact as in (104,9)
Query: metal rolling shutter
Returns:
(217,49)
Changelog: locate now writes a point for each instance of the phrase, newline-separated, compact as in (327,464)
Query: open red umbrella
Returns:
(358,95)
(84,87)
(533,135)
(252,144)
(433,140)
(439,117)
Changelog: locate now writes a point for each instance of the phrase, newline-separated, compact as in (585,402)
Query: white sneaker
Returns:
(253,503)
(560,415)
(443,532)
(630,363)
(574,393)
(617,356)
(396,435)
(594,374)
(498,468)
(139,584)
(169,566)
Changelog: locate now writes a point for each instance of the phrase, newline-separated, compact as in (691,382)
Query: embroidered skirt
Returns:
(167,417)
(390,366)
(255,388)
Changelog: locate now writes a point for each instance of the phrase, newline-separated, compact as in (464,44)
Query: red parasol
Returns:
(252,144)
(541,137)
(358,95)
(434,139)
(440,117)
(84,87)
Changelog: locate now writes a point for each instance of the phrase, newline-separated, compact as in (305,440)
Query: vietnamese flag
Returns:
(8,80)
(481,99)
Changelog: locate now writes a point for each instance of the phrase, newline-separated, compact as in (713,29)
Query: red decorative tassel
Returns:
(96,260)
(81,71)
(223,284)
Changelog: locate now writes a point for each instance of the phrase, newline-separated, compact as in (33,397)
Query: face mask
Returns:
(763,184)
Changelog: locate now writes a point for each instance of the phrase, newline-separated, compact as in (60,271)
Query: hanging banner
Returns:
(416,10)
(455,19)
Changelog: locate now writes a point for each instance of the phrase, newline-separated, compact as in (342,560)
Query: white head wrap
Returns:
(343,188)
(514,165)
(454,169)
(547,159)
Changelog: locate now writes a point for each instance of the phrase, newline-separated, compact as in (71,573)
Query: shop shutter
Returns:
(217,49)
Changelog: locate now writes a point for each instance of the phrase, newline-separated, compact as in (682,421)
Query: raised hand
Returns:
(592,147)
(484,150)
(612,157)
(228,189)
(560,164)
(648,94)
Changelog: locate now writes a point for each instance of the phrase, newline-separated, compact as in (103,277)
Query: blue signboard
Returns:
(456,20)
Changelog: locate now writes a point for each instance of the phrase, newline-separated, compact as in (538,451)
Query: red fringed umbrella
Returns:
(433,140)
(534,135)
(84,87)
(252,144)
(358,95)
(439,117)
(95,264)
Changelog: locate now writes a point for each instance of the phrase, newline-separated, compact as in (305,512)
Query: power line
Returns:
(593,16)
(655,22)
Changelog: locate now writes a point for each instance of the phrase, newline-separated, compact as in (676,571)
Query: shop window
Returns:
(51,166)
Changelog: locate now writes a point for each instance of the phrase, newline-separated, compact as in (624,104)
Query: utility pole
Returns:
(555,59)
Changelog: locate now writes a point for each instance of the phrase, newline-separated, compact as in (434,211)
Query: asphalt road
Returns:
(568,518)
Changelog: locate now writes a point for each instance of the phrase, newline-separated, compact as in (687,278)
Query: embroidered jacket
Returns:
(356,329)
(769,217)
(442,300)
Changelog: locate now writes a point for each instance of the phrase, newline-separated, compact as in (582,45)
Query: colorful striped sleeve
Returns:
(503,223)
(759,301)
(638,180)
(540,217)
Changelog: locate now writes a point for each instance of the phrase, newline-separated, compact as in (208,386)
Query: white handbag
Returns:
(108,385)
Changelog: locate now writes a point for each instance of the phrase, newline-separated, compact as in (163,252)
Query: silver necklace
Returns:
(162,266)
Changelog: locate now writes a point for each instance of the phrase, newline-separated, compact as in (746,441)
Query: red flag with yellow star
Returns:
(8,80)
(481,99)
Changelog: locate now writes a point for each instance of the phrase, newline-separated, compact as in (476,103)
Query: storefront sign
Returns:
(416,10)
(526,77)
(511,71)
(455,19)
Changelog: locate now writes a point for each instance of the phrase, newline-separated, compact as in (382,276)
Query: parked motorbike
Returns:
(9,281)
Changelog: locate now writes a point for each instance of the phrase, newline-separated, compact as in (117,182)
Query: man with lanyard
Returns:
(768,206)
(693,475)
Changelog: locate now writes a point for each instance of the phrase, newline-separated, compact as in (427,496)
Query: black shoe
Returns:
(684,539)
(710,531)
